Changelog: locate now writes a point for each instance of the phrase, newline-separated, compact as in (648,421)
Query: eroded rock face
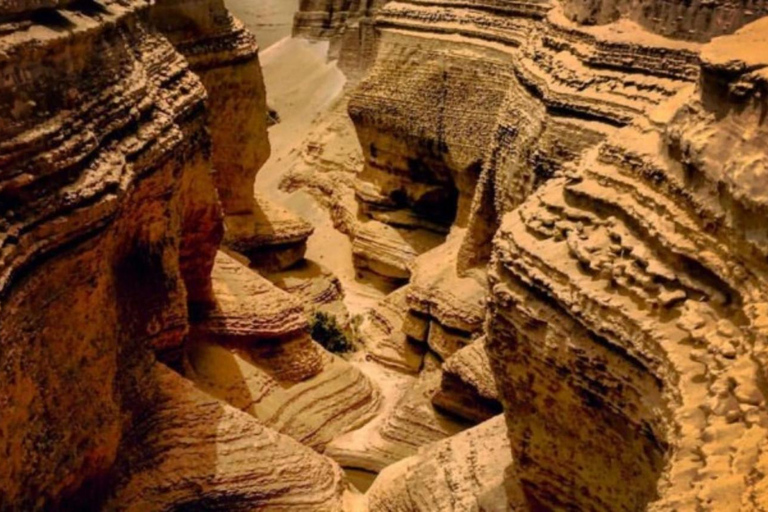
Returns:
(252,349)
(631,294)
(101,127)
(464,472)
(225,57)
(227,459)
(619,159)
(109,227)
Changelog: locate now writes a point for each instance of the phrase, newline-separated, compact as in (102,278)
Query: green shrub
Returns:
(325,330)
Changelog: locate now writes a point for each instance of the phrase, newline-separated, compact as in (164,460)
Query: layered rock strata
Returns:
(619,287)
(225,56)
(109,225)
(385,243)
(102,126)
(468,387)
(463,472)
(226,459)
(628,316)
(384,338)
(253,350)
(408,421)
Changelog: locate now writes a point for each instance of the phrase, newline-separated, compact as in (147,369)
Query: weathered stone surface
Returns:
(109,223)
(347,24)
(253,350)
(191,451)
(625,290)
(101,125)
(408,421)
(246,308)
(225,56)
(462,473)
(628,308)
(315,287)
(272,237)
(382,333)
(468,388)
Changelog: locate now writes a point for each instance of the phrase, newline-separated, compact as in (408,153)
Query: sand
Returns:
(301,86)
(270,20)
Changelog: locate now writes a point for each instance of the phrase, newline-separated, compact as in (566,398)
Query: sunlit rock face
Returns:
(612,149)
(628,308)
(225,57)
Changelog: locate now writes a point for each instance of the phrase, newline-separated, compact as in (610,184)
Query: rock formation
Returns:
(464,472)
(633,289)
(102,130)
(110,227)
(225,57)
(227,459)
(566,199)
(616,154)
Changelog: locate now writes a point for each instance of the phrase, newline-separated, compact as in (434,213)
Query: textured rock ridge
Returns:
(630,294)
(109,229)
(225,56)
(468,388)
(101,124)
(463,472)
(227,459)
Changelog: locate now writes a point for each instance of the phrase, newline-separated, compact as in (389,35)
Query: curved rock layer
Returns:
(336,399)
(462,473)
(253,350)
(628,318)
(407,422)
(384,338)
(468,387)
(193,452)
(101,130)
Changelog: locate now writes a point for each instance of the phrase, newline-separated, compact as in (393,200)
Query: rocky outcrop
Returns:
(468,388)
(190,451)
(109,226)
(101,127)
(626,290)
(628,316)
(225,56)
(463,472)
(407,422)
(253,350)
(383,335)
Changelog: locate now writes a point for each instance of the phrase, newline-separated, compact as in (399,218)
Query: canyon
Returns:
(448,255)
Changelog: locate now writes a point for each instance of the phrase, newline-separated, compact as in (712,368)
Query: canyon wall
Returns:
(630,293)
(102,123)
(129,132)
(599,169)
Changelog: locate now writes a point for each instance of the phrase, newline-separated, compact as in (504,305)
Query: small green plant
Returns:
(325,330)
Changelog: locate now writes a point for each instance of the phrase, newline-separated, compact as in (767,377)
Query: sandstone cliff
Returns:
(102,125)
(633,289)
(111,223)
(616,154)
